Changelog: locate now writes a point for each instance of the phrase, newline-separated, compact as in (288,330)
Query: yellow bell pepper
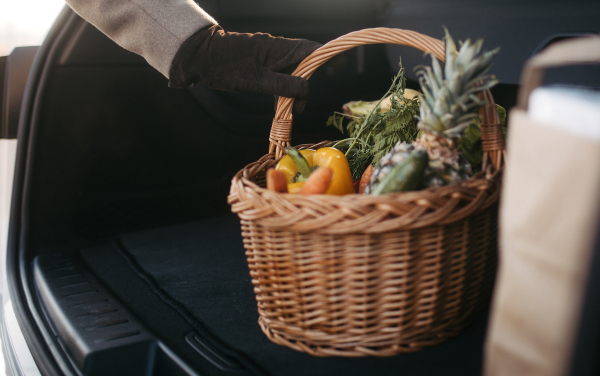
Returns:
(332,158)
(289,167)
(341,183)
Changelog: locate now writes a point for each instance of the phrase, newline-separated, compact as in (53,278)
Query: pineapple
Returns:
(449,104)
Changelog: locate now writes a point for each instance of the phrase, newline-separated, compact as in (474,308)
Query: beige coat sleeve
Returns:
(154,29)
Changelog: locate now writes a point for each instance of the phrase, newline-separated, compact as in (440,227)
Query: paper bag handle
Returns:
(585,50)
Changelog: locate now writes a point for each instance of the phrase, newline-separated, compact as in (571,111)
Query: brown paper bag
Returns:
(548,220)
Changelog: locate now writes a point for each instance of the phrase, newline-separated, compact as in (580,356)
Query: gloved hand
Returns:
(239,62)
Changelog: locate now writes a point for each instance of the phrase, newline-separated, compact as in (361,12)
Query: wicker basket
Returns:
(361,275)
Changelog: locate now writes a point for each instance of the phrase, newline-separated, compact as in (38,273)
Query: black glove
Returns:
(239,62)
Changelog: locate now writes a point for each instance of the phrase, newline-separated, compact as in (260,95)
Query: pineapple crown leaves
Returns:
(449,101)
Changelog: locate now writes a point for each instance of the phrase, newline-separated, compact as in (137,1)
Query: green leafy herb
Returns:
(373,135)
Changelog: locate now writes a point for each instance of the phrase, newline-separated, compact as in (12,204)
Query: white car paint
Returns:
(18,357)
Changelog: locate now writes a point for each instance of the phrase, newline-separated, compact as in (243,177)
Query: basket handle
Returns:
(585,50)
(281,129)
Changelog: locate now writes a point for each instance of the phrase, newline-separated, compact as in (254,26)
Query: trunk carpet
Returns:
(198,272)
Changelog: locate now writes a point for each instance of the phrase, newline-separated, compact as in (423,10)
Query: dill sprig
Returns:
(373,135)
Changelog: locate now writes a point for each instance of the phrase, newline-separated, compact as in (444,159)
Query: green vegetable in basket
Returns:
(405,176)
(375,127)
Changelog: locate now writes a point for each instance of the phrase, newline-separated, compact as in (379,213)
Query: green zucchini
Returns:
(405,176)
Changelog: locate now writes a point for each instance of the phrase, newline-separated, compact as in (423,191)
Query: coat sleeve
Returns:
(154,29)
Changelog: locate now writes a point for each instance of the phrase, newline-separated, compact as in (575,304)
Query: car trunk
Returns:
(127,257)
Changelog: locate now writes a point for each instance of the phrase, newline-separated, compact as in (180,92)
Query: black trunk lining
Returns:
(182,311)
(194,277)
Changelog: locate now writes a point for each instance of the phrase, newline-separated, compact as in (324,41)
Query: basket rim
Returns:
(359,213)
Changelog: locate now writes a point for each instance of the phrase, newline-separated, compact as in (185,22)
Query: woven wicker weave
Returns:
(361,275)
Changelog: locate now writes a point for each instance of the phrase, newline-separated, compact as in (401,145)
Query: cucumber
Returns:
(405,176)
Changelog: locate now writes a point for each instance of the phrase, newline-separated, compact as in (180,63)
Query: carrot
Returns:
(364,180)
(317,182)
(276,181)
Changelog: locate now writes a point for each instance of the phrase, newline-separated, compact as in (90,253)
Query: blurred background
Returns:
(26,22)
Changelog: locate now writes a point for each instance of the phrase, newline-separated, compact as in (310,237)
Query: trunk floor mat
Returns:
(199,270)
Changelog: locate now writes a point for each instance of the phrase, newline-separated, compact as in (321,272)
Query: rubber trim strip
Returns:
(47,353)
